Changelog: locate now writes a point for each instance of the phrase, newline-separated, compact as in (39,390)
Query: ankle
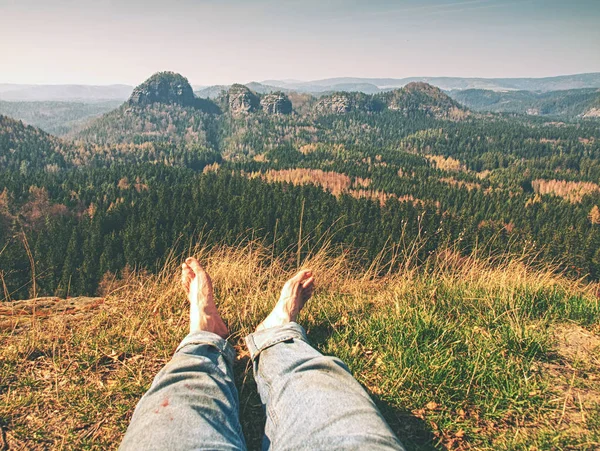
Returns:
(275,319)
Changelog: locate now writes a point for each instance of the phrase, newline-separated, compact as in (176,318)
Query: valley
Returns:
(368,171)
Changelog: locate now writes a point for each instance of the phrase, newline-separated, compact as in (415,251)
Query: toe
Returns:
(302,275)
(308,283)
(187,275)
(201,275)
(308,288)
(194,265)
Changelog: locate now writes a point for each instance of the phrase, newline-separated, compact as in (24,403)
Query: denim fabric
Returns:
(312,401)
(192,403)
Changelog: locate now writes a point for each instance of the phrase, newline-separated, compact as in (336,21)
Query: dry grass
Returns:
(453,350)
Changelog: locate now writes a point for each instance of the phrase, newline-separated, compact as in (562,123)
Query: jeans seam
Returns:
(273,415)
(263,380)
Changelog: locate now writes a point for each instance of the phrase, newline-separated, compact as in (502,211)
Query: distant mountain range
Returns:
(89,93)
(376,85)
(372,85)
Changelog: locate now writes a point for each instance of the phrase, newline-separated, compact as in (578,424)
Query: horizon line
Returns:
(302,81)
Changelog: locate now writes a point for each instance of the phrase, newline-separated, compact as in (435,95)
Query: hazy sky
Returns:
(223,41)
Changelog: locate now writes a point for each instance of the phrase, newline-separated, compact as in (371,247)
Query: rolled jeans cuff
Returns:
(193,342)
(263,339)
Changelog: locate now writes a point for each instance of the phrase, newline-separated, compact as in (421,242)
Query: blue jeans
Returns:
(312,401)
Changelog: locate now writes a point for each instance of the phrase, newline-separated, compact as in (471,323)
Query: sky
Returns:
(226,41)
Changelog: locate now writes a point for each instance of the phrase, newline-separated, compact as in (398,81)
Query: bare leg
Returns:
(193,402)
(198,288)
(294,295)
(312,401)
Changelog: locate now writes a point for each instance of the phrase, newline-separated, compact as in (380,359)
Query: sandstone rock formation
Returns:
(276,103)
(242,100)
(345,102)
(164,87)
(337,103)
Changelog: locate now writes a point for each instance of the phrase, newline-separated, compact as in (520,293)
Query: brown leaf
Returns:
(432,405)
(419,413)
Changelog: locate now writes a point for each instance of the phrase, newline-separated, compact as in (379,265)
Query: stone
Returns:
(164,87)
(241,100)
(276,103)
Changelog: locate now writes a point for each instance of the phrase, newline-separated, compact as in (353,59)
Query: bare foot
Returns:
(294,295)
(198,288)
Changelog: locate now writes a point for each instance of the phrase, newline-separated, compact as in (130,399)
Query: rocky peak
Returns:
(345,102)
(276,103)
(337,103)
(419,96)
(164,87)
(413,95)
(242,100)
(426,88)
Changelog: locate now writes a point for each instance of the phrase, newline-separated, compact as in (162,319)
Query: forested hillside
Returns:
(57,118)
(349,170)
(571,104)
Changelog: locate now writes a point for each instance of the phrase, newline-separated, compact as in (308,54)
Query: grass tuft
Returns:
(459,352)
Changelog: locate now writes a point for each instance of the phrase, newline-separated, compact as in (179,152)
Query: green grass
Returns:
(458,354)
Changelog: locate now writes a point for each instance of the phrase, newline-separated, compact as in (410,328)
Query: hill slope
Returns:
(426,98)
(24,148)
(413,99)
(161,109)
(569,104)
(57,118)
(153,123)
